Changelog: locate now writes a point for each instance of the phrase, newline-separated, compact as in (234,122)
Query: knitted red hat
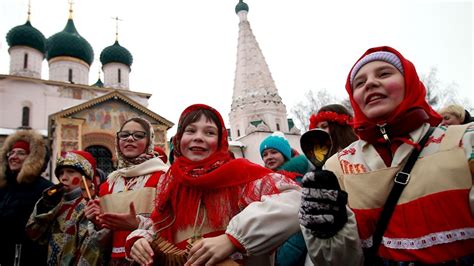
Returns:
(82,161)
(22,145)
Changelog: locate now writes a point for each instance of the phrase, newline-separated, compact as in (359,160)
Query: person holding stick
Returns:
(58,218)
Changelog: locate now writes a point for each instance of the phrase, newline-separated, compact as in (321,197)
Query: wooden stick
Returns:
(87,187)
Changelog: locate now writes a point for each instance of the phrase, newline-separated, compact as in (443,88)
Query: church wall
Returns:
(111,75)
(42,100)
(17,59)
(14,95)
(59,70)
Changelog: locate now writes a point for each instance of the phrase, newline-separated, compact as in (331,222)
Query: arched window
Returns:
(119,75)
(25,61)
(25,117)
(103,158)
(70,75)
(278,127)
(238,132)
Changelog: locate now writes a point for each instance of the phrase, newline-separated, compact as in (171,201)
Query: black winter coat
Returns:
(18,195)
(16,204)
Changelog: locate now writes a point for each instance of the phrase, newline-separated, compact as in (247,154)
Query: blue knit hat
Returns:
(276,141)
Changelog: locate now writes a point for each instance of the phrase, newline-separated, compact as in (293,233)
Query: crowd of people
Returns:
(389,182)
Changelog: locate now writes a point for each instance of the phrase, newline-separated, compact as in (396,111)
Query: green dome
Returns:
(241,6)
(116,53)
(27,35)
(69,43)
(98,83)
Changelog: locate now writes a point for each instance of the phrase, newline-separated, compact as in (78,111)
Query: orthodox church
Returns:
(257,109)
(73,114)
(65,108)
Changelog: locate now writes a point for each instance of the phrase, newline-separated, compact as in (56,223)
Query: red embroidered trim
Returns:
(350,151)
(329,116)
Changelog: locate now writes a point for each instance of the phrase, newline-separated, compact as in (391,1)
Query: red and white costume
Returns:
(433,220)
(134,174)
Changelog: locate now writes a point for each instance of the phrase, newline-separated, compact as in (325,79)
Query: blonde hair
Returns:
(454,109)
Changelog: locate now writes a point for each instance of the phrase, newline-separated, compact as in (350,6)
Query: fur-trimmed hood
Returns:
(33,165)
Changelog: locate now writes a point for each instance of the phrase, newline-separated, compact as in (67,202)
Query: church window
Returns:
(25,61)
(119,75)
(238,133)
(278,127)
(25,117)
(70,75)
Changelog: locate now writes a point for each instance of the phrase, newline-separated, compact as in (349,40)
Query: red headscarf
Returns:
(410,114)
(216,181)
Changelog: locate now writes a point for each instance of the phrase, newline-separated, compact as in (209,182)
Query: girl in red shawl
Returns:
(221,206)
(432,222)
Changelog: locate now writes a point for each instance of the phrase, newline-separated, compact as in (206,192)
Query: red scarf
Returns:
(409,115)
(216,182)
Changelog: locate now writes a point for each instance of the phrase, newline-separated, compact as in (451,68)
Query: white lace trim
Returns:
(118,250)
(424,241)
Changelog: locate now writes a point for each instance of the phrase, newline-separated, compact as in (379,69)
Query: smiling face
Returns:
(130,147)
(378,88)
(272,159)
(200,139)
(16,157)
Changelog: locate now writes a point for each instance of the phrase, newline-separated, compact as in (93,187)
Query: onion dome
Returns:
(116,53)
(69,43)
(27,35)
(241,6)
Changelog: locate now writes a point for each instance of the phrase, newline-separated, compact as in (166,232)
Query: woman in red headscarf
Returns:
(218,205)
(432,221)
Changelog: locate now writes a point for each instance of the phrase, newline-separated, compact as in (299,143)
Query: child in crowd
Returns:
(278,156)
(432,222)
(454,114)
(131,189)
(210,206)
(336,120)
(58,218)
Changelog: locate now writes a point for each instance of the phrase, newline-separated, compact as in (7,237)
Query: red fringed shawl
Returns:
(216,181)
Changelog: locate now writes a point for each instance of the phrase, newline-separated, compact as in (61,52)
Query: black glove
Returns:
(323,204)
(53,195)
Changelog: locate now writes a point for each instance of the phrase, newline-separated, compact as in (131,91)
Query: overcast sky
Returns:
(185,50)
